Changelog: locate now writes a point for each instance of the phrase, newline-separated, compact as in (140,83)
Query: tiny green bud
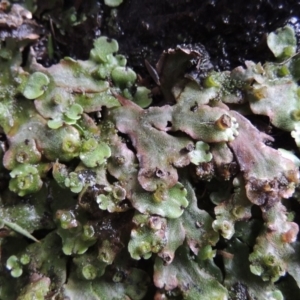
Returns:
(89,272)
(144,248)
(283,71)
(256,269)
(269,260)
(70,144)
(211,81)
(25,259)
(288,51)
(206,253)
(74,183)
(88,232)
(25,180)
(89,145)
(14,266)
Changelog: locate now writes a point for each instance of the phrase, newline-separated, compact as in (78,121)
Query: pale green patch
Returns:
(14,266)
(123,76)
(164,202)
(103,49)
(113,3)
(25,179)
(74,183)
(75,112)
(282,42)
(200,154)
(96,155)
(142,97)
(36,85)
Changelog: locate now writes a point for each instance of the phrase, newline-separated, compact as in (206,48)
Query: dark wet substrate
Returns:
(232,31)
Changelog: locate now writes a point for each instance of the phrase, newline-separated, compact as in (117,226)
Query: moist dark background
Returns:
(232,31)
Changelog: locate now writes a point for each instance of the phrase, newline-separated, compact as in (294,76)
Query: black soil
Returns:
(231,31)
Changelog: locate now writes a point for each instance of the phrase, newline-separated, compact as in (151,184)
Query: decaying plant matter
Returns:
(101,184)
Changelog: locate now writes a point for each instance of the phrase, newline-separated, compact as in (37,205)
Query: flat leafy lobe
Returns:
(72,82)
(133,286)
(123,163)
(147,237)
(164,202)
(36,85)
(268,175)
(104,48)
(51,263)
(236,208)
(206,123)
(186,275)
(239,280)
(76,238)
(282,42)
(28,215)
(275,248)
(274,104)
(36,290)
(157,151)
(194,227)
(268,93)
(200,153)
(197,223)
